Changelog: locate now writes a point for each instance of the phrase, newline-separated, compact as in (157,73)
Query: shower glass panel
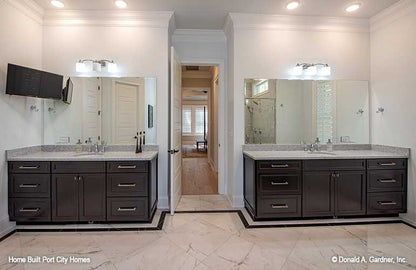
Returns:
(260,111)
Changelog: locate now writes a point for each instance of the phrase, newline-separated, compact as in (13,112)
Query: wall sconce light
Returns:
(87,65)
(309,70)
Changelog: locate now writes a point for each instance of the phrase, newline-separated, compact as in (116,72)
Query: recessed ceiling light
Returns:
(57,4)
(353,7)
(292,4)
(120,4)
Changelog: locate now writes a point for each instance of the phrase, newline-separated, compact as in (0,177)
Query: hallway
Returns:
(198,178)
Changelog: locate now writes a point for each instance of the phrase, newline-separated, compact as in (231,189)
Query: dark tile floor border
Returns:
(238,212)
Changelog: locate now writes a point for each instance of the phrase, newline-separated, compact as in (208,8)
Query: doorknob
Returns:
(173,151)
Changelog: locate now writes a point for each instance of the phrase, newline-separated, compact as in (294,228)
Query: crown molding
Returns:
(198,36)
(29,8)
(298,23)
(160,19)
(392,13)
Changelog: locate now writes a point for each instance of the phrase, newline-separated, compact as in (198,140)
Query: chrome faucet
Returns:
(315,146)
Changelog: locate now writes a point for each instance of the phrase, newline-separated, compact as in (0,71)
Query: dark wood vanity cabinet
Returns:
(82,191)
(324,188)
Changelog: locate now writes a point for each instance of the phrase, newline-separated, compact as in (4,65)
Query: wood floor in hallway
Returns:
(198,178)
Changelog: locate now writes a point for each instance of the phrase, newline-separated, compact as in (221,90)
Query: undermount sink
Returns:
(322,153)
(88,154)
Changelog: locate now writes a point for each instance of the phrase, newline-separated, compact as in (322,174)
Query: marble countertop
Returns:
(301,155)
(84,156)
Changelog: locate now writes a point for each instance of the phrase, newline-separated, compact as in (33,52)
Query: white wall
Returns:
(393,81)
(263,49)
(139,51)
(20,43)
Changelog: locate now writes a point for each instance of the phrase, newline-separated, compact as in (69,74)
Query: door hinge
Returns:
(99,88)
(99,113)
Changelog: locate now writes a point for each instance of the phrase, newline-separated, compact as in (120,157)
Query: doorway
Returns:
(199,130)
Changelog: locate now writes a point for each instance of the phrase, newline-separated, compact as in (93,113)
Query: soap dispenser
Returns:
(78,147)
(329,146)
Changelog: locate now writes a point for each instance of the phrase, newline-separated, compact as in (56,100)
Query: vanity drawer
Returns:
(283,206)
(127,184)
(127,166)
(127,209)
(394,163)
(334,164)
(29,185)
(278,165)
(386,203)
(29,167)
(279,183)
(386,180)
(78,167)
(30,210)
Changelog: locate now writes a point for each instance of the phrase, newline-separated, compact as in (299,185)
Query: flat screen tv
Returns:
(67,92)
(24,81)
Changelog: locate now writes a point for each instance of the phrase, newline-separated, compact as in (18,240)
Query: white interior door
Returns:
(175,132)
(91,108)
(125,124)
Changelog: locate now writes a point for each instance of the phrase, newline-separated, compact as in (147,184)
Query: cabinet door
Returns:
(318,194)
(350,193)
(65,197)
(92,197)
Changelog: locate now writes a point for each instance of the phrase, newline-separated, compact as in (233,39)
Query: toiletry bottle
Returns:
(78,147)
(137,143)
(144,137)
(329,146)
(140,145)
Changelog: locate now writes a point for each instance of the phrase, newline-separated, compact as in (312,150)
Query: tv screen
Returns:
(24,81)
(67,92)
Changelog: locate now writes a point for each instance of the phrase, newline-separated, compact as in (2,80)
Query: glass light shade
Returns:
(297,71)
(80,67)
(311,71)
(112,67)
(88,66)
(96,66)
(324,71)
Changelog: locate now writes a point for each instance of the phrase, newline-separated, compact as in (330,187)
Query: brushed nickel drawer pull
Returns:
(126,209)
(280,206)
(126,167)
(29,210)
(280,166)
(279,183)
(28,186)
(386,203)
(387,164)
(28,167)
(387,180)
(126,185)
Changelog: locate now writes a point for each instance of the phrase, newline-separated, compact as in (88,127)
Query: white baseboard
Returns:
(411,222)
(163,203)
(238,201)
(6,226)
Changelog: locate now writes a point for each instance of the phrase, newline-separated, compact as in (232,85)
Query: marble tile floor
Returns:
(203,203)
(217,241)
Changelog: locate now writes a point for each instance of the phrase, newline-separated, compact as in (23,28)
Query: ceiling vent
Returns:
(192,68)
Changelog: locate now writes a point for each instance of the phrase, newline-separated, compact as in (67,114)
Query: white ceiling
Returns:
(211,14)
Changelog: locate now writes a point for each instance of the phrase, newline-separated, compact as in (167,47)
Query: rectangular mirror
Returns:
(105,109)
(299,111)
